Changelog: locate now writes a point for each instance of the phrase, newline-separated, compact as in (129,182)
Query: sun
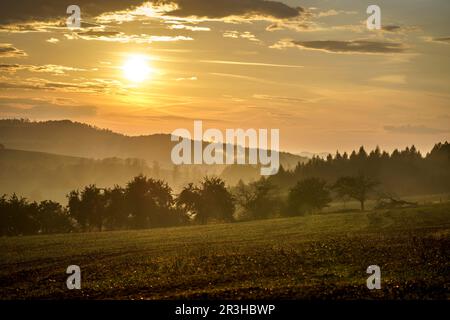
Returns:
(137,68)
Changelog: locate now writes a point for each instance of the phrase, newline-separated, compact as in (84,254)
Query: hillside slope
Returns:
(81,140)
(44,176)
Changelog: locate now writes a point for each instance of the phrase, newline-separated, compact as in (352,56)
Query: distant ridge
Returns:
(77,139)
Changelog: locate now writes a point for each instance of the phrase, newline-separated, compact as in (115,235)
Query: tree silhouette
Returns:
(116,210)
(210,200)
(217,202)
(189,200)
(76,210)
(149,201)
(53,218)
(307,196)
(358,188)
(259,199)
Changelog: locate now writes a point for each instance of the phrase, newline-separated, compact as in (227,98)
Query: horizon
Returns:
(303,153)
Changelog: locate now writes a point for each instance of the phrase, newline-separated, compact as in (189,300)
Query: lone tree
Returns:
(358,188)
(308,195)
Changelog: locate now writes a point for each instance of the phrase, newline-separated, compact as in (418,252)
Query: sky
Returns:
(311,69)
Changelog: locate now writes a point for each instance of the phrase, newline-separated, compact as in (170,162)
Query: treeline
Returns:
(403,172)
(149,203)
(143,203)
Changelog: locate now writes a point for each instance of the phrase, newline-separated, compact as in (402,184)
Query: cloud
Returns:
(9,67)
(257,64)
(300,25)
(280,98)
(391,28)
(445,40)
(44,10)
(392,78)
(242,77)
(179,26)
(414,129)
(193,78)
(7,50)
(351,46)
(333,12)
(20,15)
(43,108)
(115,36)
(47,68)
(52,40)
(243,35)
(228,8)
(44,111)
(397,29)
(93,86)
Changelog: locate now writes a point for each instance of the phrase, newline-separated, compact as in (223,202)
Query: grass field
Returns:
(318,256)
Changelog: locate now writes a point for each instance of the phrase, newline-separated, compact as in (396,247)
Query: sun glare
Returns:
(137,68)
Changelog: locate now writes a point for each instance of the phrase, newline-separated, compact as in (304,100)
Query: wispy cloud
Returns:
(414,129)
(52,40)
(193,78)
(240,35)
(7,50)
(392,78)
(443,40)
(47,68)
(114,36)
(257,64)
(181,26)
(350,46)
(284,99)
(91,86)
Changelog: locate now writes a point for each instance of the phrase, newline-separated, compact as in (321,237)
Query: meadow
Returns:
(311,257)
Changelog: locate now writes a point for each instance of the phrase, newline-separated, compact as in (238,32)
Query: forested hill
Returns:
(39,176)
(70,138)
(403,172)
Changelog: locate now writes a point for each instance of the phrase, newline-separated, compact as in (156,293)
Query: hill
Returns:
(41,176)
(70,138)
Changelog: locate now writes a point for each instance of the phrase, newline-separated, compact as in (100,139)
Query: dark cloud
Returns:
(391,28)
(9,67)
(21,11)
(226,8)
(44,10)
(9,51)
(442,40)
(45,110)
(97,86)
(413,129)
(47,68)
(356,46)
(95,33)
